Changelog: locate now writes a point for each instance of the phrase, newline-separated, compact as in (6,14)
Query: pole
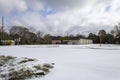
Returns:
(2,23)
(2,30)
(67,38)
(100,38)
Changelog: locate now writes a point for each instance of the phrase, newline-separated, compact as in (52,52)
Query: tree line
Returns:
(107,38)
(23,35)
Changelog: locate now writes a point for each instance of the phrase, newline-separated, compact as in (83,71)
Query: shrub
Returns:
(45,69)
(5,59)
(26,60)
(38,67)
(21,75)
(47,65)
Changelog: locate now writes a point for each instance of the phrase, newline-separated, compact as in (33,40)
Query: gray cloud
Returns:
(7,6)
(65,4)
(73,16)
(35,5)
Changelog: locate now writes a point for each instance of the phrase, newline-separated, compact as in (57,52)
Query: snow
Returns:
(73,62)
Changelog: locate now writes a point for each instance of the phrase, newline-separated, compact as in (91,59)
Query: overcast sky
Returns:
(59,17)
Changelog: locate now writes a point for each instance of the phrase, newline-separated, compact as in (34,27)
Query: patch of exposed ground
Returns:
(13,68)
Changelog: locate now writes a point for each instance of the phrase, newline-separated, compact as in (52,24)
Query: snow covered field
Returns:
(73,62)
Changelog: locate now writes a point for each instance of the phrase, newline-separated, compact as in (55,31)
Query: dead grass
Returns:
(26,60)
(7,62)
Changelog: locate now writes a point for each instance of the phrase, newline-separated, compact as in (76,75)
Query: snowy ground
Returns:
(73,62)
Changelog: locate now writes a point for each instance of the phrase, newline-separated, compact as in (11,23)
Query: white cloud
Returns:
(7,6)
(73,16)
(35,5)
(29,19)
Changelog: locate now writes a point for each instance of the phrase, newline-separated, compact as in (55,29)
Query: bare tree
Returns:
(116,33)
(116,30)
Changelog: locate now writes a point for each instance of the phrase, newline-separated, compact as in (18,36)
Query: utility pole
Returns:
(100,38)
(2,31)
(2,23)
(67,38)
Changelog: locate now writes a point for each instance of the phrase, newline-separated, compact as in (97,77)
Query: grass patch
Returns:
(38,67)
(21,74)
(26,60)
(15,69)
(5,59)
(45,69)
(48,65)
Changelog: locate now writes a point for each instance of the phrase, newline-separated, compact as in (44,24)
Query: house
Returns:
(70,40)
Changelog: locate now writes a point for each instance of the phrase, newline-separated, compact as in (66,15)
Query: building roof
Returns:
(65,38)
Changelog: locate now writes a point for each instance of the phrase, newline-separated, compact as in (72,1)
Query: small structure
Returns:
(70,40)
(7,42)
(86,41)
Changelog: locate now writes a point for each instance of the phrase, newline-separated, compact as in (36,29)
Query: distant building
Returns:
(7,42)
(71,40)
